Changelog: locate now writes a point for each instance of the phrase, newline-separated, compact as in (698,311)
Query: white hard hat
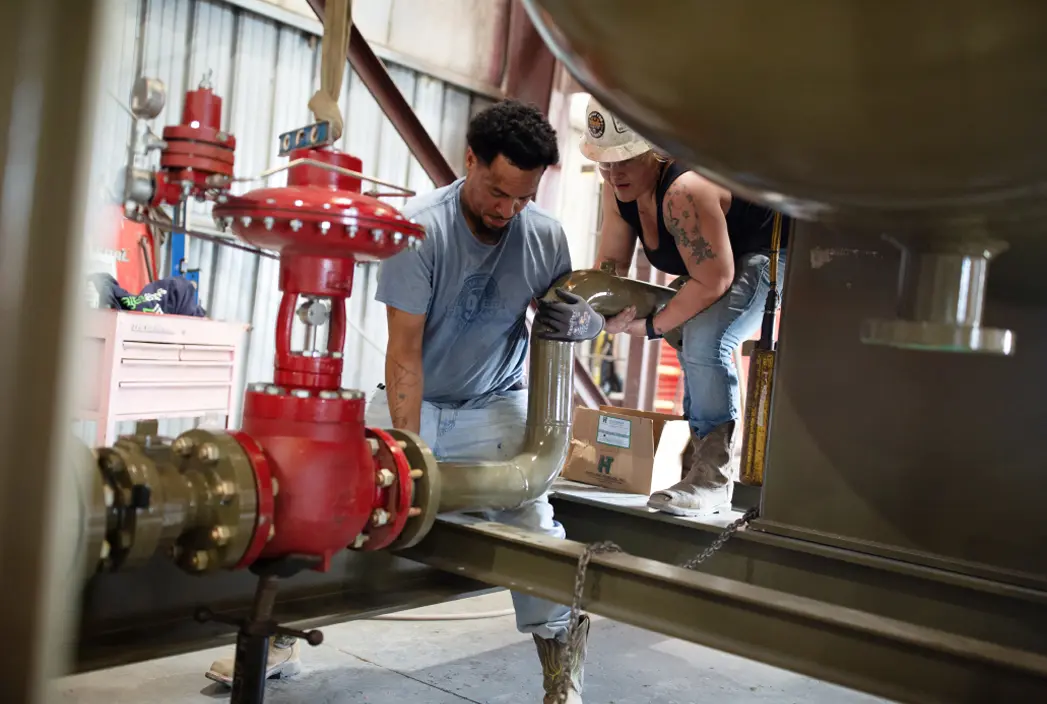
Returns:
(607,139)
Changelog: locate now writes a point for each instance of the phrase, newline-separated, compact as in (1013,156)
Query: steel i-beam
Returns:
(882,656)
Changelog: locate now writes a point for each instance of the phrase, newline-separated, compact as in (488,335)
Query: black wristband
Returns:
(651,334)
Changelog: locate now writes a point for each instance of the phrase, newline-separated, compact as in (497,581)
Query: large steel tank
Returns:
(875,113)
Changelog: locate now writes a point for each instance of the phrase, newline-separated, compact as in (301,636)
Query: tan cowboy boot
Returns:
(709,486)
(284,661)
(687,456)
(560,687)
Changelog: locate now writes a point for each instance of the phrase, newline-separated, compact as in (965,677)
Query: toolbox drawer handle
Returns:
(174,384)
(173,363)
(131,345)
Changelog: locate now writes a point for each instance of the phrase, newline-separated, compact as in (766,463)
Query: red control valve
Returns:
(197,157)
(334,483)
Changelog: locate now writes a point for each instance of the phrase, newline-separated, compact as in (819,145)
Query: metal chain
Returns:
(576,613)
(722,538)
(606,547)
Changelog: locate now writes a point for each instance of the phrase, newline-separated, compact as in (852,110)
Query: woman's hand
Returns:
(626,322)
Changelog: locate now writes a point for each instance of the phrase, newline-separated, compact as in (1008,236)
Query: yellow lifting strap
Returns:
(338,22)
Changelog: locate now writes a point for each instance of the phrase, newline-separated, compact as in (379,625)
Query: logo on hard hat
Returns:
(596,124)
(619,126)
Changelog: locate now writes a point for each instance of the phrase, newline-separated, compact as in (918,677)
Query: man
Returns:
(458,337)
(457,327)
(720,245)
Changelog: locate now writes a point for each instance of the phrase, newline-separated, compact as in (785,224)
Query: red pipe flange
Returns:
(392,502)
(264,525)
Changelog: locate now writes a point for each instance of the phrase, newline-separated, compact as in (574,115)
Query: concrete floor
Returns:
(478,661)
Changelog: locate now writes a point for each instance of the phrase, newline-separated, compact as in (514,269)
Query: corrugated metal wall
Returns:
(265,72)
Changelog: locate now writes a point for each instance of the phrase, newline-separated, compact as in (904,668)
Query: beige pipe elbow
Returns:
(509,484)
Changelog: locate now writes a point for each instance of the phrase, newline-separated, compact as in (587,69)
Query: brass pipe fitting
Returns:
(194,499)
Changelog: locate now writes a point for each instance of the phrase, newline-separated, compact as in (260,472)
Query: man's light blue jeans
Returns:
(491,429)
(711,394)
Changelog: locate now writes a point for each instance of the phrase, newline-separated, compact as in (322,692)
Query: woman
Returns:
(720,245)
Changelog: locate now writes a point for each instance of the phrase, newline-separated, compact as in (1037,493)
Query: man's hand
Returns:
(626,322)
(571,319)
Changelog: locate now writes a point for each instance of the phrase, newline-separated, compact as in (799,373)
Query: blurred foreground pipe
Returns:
(49,67)
(526,477)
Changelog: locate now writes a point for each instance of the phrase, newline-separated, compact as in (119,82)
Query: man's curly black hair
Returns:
(517,131)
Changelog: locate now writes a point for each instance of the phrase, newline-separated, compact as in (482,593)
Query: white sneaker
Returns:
(284,661)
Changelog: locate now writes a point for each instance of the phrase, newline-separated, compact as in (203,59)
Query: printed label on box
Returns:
(614,431)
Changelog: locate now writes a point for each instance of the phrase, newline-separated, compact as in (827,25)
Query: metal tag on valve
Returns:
(308,137)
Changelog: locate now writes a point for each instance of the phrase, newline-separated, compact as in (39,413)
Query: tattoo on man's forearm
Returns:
(683,223)
(403,382)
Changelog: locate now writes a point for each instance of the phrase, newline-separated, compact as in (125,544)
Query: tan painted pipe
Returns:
(550,406)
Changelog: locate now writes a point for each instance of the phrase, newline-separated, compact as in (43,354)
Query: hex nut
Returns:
(379,517)
(208,452)
(220,535)
(200,560)
(385,477)
(225,490)
(182,446)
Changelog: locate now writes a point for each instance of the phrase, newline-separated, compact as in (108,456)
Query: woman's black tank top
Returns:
(748,226)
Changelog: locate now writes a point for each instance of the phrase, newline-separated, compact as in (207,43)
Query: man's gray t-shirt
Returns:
(474,296)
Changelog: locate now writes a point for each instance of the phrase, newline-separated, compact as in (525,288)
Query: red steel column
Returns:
(529,66)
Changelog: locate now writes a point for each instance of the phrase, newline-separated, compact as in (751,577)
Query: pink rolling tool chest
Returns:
(143,365)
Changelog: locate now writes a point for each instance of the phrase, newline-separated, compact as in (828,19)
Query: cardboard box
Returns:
(626,450)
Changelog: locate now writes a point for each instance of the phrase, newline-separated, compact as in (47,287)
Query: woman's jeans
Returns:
(711,394)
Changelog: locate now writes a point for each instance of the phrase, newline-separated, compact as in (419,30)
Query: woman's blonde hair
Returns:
(658,155)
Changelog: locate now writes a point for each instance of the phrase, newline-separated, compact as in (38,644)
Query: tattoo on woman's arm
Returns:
(683,223)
